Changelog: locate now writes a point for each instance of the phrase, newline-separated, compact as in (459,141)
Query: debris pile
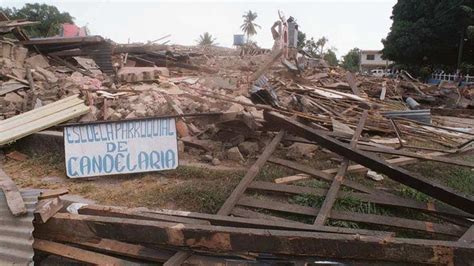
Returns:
(277,106)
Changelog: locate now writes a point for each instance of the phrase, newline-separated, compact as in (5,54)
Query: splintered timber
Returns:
(120,147)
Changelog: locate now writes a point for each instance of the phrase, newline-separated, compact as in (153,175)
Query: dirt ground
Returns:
(204,189)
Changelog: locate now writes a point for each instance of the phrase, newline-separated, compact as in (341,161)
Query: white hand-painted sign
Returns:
(120,147)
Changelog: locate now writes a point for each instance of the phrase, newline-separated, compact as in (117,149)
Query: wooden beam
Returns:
(394,222)
(250,175)
(319,174)
(77,254)
(12,194)
(357,168)
(331,196)
(381,198)
(52,193)
(427,186)
(418,156)
(236,240)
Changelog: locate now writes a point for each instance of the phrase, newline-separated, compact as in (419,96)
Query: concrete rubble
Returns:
(234,108)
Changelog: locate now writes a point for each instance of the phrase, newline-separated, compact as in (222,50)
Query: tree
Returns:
(206,39)
(351,60)
(49,18)
(430,33)
(320,44)
(249,27)
(311,47)
(330,57)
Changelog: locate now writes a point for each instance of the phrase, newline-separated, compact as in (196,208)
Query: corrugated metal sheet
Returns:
(16,237)
(423,115)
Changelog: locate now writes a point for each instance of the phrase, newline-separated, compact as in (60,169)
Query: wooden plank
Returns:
(394,222)
(46,208)
(135,251)
(230,239)
(319,174)
(250,175)
(52,193)
(12,194)
(357,168)
(43,123)
(352,83)
(378,198)
(331,196)
(77,254)
(418,156)
(415,181)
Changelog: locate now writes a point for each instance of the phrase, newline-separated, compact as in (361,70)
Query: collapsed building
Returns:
(229,106)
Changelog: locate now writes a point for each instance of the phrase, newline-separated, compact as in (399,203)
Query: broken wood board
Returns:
(41,118)
(47,208)
(77,254)
(12,194)
(431,188)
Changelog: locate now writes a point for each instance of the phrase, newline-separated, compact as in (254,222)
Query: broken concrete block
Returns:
(215,161)
(234,154)
(374,175)
(235,107)
(116,116)
(50,77)
(20,55)
(13,98)
(37,61)
(248,148)
(300,150)
(206,158)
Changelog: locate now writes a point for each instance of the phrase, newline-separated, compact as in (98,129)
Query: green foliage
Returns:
(249,27)
(301,40)
(206,39)
(331,58)
(49,18)
(429,32)
(311,47)
(351,60)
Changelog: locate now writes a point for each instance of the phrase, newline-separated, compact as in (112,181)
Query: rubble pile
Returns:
(316,93)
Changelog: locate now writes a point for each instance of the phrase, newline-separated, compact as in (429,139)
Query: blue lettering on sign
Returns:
(118,153)
(120,162)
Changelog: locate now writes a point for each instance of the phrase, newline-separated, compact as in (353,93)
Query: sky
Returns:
(347,24)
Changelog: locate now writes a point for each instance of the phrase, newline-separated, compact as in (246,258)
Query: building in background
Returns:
(71,30)
(372,59)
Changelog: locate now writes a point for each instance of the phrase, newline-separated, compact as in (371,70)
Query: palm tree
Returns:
(206,39)
(249,27)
